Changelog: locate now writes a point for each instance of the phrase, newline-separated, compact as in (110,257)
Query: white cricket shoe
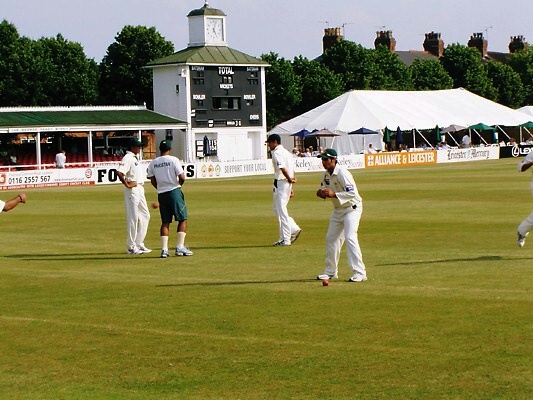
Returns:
(165,253)
(357,278)
(280,243)
(521,239)
(133,250)
(183,251)
(326,277)
(295,235)
(143,249)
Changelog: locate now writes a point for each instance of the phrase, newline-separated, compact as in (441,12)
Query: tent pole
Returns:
(422,136)
(505,133)
(481,137)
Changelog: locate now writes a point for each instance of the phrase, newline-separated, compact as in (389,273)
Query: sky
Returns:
(290,28)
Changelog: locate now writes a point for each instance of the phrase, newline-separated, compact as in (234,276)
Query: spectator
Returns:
(466,141)
(61,159)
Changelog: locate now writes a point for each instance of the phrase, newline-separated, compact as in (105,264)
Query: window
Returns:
(226,103)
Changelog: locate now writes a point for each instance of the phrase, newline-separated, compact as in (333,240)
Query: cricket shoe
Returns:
(326,277)
(133,250)
(183,251)
(295,235)
(143,249)
(280,243)
(521,239)
(165,254)
(357,278)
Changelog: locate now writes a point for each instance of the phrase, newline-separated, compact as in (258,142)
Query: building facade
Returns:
(219,91)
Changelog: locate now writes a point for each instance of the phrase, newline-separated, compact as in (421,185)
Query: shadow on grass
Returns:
(77,256)
(227,283)
(453,260)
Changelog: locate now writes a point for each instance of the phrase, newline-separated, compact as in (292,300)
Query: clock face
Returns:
(213,30)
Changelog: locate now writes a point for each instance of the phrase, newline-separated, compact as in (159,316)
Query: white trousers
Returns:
(343,226)
(137,215)
(287,225)
(527,224)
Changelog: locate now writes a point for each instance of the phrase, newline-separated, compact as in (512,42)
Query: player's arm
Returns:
(153,181)
(122,179)
(181,178)
(525,165)
(289,178)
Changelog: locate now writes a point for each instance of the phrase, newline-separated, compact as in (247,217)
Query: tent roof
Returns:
(377,109)
(526,110)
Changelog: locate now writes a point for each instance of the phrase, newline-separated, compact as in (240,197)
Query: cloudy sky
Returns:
(287,27)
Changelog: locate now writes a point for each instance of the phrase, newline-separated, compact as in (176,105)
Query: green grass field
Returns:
(447,312)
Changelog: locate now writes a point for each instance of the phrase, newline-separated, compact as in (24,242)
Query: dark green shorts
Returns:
(172,205)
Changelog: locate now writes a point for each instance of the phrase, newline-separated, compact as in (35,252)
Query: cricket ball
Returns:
(325,282)
(155,204)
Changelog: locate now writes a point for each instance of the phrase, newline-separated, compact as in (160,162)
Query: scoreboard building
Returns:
(219,91)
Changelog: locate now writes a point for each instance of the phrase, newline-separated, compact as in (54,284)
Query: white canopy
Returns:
(528,110)
(377,109)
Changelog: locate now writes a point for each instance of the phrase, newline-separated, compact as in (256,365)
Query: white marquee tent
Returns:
(409,110)
(527,110)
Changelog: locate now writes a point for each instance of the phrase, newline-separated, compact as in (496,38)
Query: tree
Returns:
(15,67)
(429,75)
(465,67)
(522,63)
(49,71)
(387,72)
(507,82)
(350,62)
(283,88)
(319,84)
(123,78)
(62,73)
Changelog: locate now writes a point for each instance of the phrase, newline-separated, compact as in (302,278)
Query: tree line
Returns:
(56,72)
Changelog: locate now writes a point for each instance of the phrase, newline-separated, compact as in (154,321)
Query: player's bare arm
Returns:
(181,179)
(526,166)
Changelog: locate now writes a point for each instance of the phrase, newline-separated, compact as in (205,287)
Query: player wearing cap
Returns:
(283,163)
(167,176)
(338,184)
(132,174)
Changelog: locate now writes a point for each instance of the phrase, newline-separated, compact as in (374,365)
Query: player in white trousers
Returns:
(132,174)
(527,224)
(339,185)
(283,163)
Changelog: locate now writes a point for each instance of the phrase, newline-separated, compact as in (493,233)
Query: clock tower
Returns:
(207,27)
(219,91)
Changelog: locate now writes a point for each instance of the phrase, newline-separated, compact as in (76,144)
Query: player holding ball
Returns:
(338,184)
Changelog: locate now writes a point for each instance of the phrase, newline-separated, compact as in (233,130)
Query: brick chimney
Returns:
(386,39)
(517,43)
(433,44)
(478,41)
(331,36)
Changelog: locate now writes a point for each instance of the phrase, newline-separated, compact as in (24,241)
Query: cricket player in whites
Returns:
(283,163)
(338,184)
(132,174)
(527,224)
